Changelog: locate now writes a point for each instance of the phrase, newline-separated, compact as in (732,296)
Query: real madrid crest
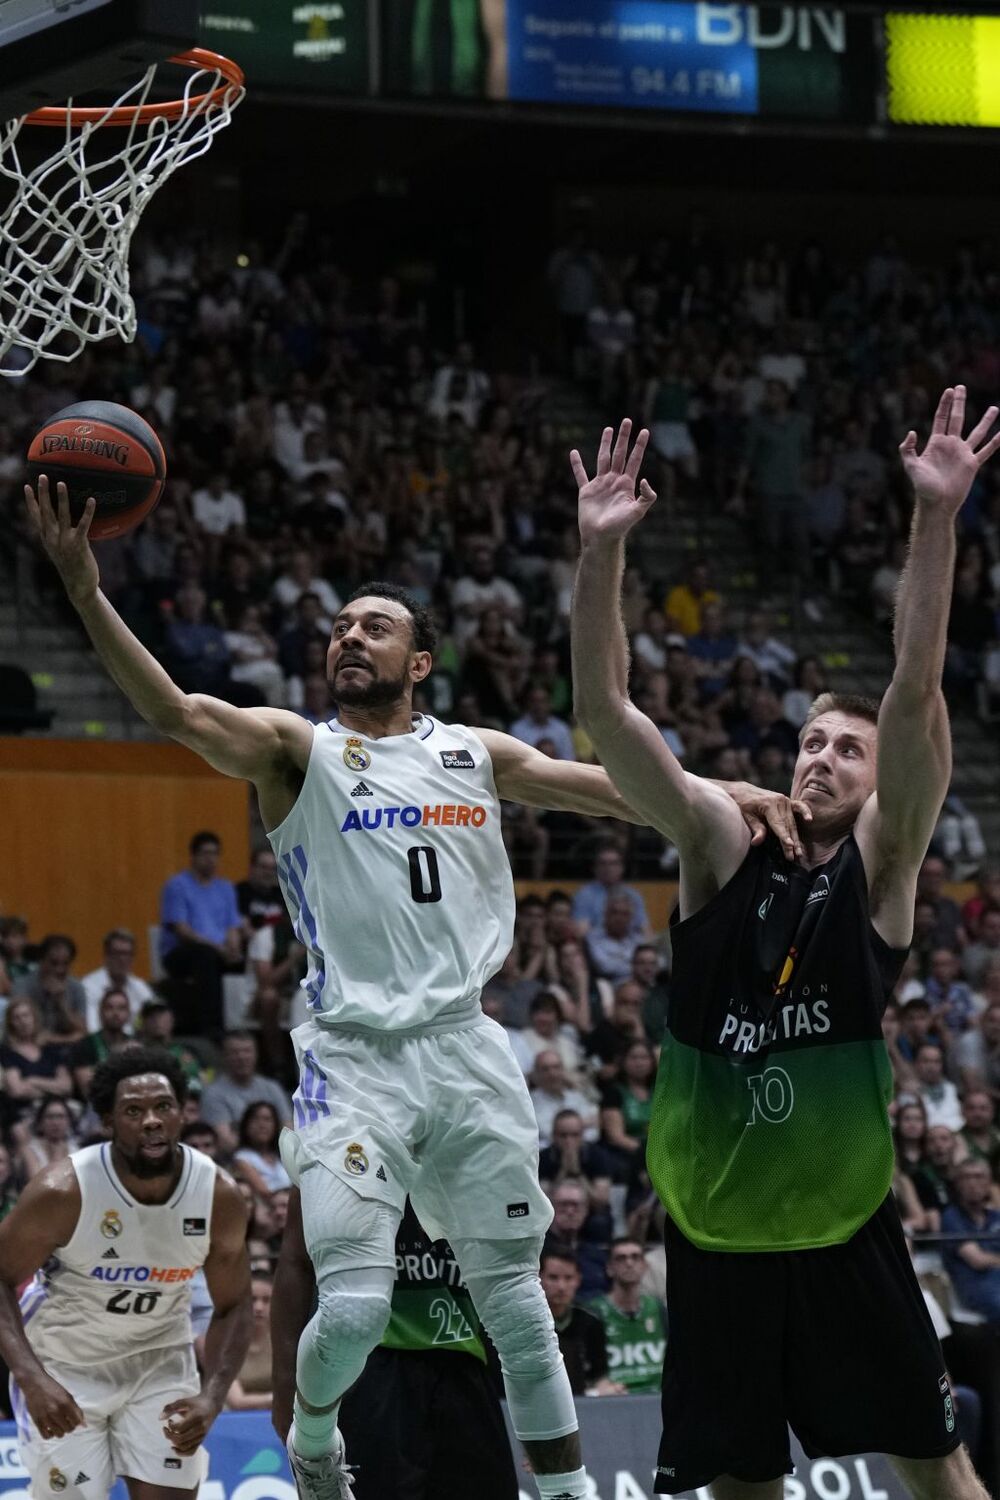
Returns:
(57,1479)
(355,1159)
(111,1224)
(355,755)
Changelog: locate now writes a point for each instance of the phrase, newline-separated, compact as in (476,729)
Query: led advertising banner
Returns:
(620,1436)
(769,61)
(316,47)
(943,70)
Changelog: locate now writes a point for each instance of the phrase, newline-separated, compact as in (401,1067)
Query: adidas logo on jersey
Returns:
(82,1478)
(362,791)
(380,1174)
(110,1255)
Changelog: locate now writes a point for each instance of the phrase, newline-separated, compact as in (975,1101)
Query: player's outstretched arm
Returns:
(291,1304)
(523,774)
(227,1273)
(253,743)
(913,767)
(702,821)
(43,1218)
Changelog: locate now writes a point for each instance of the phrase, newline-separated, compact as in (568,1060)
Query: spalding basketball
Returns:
(99,448)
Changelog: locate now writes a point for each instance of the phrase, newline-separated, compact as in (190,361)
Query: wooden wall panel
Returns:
(88,836)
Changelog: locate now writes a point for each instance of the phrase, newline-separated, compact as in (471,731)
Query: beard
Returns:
(143,1166)
(371,692)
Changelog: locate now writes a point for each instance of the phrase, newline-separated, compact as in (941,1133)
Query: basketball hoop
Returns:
(65,234)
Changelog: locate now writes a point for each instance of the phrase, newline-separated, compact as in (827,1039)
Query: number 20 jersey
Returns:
(396,877)
(121,1285)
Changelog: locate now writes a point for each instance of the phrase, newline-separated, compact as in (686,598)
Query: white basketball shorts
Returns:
(122,1400)
(443,1116)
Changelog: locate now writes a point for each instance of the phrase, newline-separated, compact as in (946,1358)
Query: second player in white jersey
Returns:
(395,873)
(123,1280)
(103,1375)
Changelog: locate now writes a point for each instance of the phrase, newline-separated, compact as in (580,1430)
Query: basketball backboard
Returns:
(53,49)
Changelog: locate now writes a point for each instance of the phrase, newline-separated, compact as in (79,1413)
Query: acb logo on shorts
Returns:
(57,1479)
(111,1224)
(356,756)
(355,1160)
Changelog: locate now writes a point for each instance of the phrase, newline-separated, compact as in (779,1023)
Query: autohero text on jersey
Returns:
(440,815)
(143,1273)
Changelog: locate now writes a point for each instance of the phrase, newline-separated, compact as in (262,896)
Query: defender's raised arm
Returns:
(701,820)
(914,740)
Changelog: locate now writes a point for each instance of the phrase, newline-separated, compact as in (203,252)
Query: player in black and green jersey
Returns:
(424,1420)
(635,1324)
(791,1295)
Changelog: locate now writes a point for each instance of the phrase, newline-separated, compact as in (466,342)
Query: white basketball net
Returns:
(65,234)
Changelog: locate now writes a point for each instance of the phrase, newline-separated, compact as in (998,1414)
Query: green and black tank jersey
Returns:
(770,1126)
(431,1308)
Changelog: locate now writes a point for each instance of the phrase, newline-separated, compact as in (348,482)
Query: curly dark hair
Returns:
(425,636)
(130,1062)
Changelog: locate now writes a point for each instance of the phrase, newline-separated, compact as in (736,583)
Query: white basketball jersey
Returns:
(396,877)
(122,1285)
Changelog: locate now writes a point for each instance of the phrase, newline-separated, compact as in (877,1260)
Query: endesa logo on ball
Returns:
(440,815)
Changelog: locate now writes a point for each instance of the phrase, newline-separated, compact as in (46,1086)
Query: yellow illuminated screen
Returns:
(943,70)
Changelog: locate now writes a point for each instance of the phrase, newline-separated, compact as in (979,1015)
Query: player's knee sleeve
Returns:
(503,1282)
(351,1319)
(352,1311)
(517,1318)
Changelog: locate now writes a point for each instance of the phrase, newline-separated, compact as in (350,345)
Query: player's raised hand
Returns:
(67,546)
(942,475)
(51,1407)
(609,504)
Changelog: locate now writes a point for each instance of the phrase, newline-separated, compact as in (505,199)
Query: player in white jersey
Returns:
(387,832)
(103,1376)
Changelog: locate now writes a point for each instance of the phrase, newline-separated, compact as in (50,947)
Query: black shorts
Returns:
(426,1425)
(836,1343)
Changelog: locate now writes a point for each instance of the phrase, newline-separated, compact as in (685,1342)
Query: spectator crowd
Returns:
(777,385)
(319,432)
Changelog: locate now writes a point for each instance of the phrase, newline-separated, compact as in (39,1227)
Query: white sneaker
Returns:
(326,1478)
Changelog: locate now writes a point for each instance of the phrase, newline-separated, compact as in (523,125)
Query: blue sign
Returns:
(633,54)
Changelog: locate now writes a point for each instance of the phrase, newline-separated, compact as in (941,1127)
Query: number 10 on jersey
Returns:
(773,1096)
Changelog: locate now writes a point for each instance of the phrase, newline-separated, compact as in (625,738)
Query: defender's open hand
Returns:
(942,475)
(609,505)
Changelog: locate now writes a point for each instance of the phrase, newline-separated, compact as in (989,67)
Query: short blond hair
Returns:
(852,704)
